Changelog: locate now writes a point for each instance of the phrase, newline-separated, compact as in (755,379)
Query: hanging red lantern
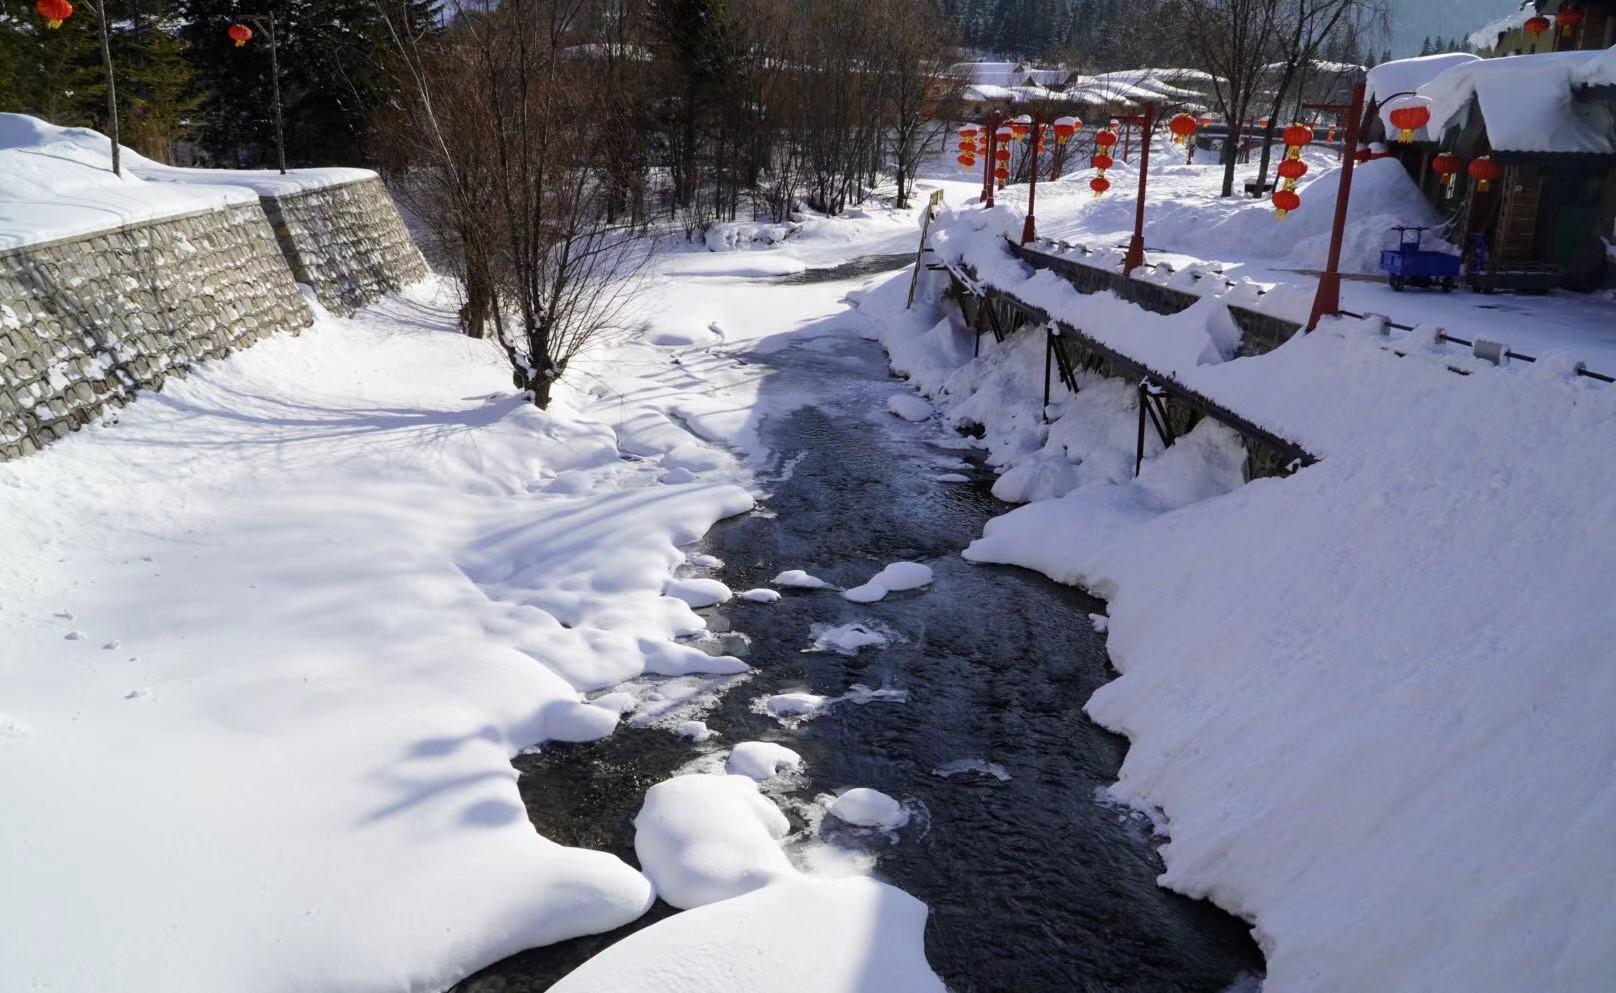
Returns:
(1065,127)
(1297,135)
(1292,169)
(1002,154)
(54,12)
(1446,164)
(969,132)
(1182,126)
(1004,134)
(1285,201)
(1106,139)
(1102,162)
(1536,25)
(1485,172)
(240,34)
(1001,173)
(966,161)
(1099,184)
(1409,118)
(1568,21)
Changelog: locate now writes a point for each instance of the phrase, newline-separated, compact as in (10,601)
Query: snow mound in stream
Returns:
(864,807)
(704,837)
(895,578)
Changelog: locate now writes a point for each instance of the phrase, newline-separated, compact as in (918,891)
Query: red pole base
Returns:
(1327,300)
(1029,230)
(1136,255)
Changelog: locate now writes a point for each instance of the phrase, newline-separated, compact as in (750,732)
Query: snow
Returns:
(1526,102)
(58,183)
(895,578)
(761,595)
(699,592)
(694,730)
(1487,35)
(358,577)
(864,807)
(761,760)
(798,935)
(796,704)
(1347,691)
(909,407)
(799,579)
(850,638)
(702,838)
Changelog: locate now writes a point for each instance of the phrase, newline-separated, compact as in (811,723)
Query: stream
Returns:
(1034,881)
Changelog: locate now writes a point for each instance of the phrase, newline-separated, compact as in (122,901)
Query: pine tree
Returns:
(163,102)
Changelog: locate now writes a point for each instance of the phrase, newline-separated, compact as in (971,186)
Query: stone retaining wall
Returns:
(346,241)
(87,321)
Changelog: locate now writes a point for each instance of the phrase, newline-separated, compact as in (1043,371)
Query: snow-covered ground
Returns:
(1370,698)
(272,638)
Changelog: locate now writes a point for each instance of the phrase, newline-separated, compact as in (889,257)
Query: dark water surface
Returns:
(1034,884)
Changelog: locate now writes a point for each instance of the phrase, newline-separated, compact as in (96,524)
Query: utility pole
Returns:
(266,22)
(1327,300)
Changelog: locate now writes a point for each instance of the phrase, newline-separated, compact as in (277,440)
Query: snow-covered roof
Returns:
(1487,36)
(1527,102)
(1403,75)
(1006,74)
(1598,71)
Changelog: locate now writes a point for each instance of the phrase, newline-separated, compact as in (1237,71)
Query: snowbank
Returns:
(58,183)
(895,578)
(800,935)
(325,588)
(1361,693)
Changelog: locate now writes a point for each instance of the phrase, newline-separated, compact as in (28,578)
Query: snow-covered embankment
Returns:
(1371,699)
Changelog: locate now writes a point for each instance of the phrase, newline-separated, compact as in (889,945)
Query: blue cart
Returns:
(1409,265)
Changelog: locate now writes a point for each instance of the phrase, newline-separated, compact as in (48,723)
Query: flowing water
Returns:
(1034,882)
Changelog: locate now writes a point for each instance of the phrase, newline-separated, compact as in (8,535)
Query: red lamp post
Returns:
(1327,300)
(1136,245)
(1029,227)
(990,148)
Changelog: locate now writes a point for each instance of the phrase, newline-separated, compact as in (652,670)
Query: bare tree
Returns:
(913,50)
(499,136)
(1307,25)
(1237,39)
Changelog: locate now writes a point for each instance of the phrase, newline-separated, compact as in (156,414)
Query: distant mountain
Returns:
(1413,21)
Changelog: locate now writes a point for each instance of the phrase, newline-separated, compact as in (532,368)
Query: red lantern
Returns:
(1568,20)
(1099,184)
(966,161)
(1001,173)
(1485,172)
(240,34)
(54,12)
(1065,127)
(1536,25)
(1106,139)
(1004,134)
(1102,162)
(969,132)
(1003,154)
(1409,119)
(1298,135)
(1446,164)
(1182,126)
(1285,201)
(1292,169)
